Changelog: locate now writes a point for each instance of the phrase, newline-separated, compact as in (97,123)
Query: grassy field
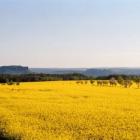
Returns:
(69,111)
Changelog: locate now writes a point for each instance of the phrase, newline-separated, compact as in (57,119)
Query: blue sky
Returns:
(70,33)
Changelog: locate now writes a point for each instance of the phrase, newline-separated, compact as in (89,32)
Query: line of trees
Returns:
(5,78)
(123,80)
(112,80)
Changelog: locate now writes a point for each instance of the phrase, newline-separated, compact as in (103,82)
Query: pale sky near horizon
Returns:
(70,33)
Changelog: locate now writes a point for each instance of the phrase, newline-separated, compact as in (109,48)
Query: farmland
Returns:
(69,111)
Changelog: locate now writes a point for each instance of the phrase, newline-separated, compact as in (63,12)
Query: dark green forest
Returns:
(5,78)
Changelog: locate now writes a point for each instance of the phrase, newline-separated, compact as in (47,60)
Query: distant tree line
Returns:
(6,78)
(113,80)
(123,80)
(120,77)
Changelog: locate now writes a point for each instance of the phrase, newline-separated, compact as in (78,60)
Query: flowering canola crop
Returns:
(69,111)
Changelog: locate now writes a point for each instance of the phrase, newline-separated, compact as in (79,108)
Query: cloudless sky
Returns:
(70,33)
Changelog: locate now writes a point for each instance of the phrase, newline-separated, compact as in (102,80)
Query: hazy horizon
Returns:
(70,34)
(102,67)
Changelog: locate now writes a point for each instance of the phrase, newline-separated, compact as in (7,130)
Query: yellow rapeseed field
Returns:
(69,111)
